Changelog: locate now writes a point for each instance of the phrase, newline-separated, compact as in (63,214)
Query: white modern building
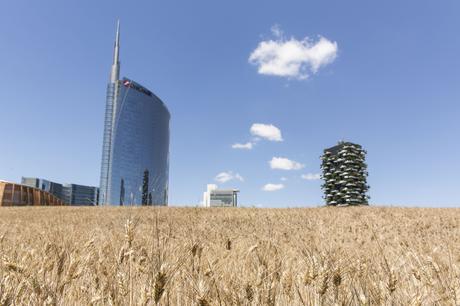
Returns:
(214,197)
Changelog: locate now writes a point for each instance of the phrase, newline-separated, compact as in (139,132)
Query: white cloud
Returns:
(284,179)
(244,146)
(311,176)
(267,131)
(272,187)
(292,58)
(276,30)
(228,176)
(285,164)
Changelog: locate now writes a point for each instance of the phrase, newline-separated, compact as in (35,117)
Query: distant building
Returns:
(214,197)
(135,143)
(45,185)
(80,195)
(12,194)
(345,175)
(71,194)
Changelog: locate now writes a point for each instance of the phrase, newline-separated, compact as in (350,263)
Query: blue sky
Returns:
(388,78)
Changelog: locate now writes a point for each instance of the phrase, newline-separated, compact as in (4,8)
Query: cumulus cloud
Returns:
(272,187)
(267,131)
(285,164)
(244,146)
(292,58)
(228,176)
(311,176)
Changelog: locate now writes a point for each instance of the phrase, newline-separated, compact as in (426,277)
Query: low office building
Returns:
(80,195)
(71,194)
(45,185)
(214,197)
(12,194)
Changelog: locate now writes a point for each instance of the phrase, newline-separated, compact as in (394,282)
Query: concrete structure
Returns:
(344,174)
(12,194)
(136,143)
(214,197)
(71,194)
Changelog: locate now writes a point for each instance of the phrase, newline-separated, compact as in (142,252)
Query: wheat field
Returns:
(244,256)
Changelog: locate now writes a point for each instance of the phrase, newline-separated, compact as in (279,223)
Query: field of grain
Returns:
(193,256)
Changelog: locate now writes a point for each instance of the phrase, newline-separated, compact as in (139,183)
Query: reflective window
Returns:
(139,142)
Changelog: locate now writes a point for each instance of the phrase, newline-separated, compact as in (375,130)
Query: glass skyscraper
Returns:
(135,153)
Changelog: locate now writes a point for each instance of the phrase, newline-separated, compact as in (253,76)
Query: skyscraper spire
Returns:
(115,72)
(138,120)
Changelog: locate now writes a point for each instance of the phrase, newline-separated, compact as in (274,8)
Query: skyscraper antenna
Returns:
(117,44)
(115,72)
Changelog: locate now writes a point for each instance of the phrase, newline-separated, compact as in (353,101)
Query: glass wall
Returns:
(223,198)
(107,141)
(139,163)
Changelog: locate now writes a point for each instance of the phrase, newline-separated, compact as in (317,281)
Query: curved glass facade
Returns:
(138,167)
(140,160)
